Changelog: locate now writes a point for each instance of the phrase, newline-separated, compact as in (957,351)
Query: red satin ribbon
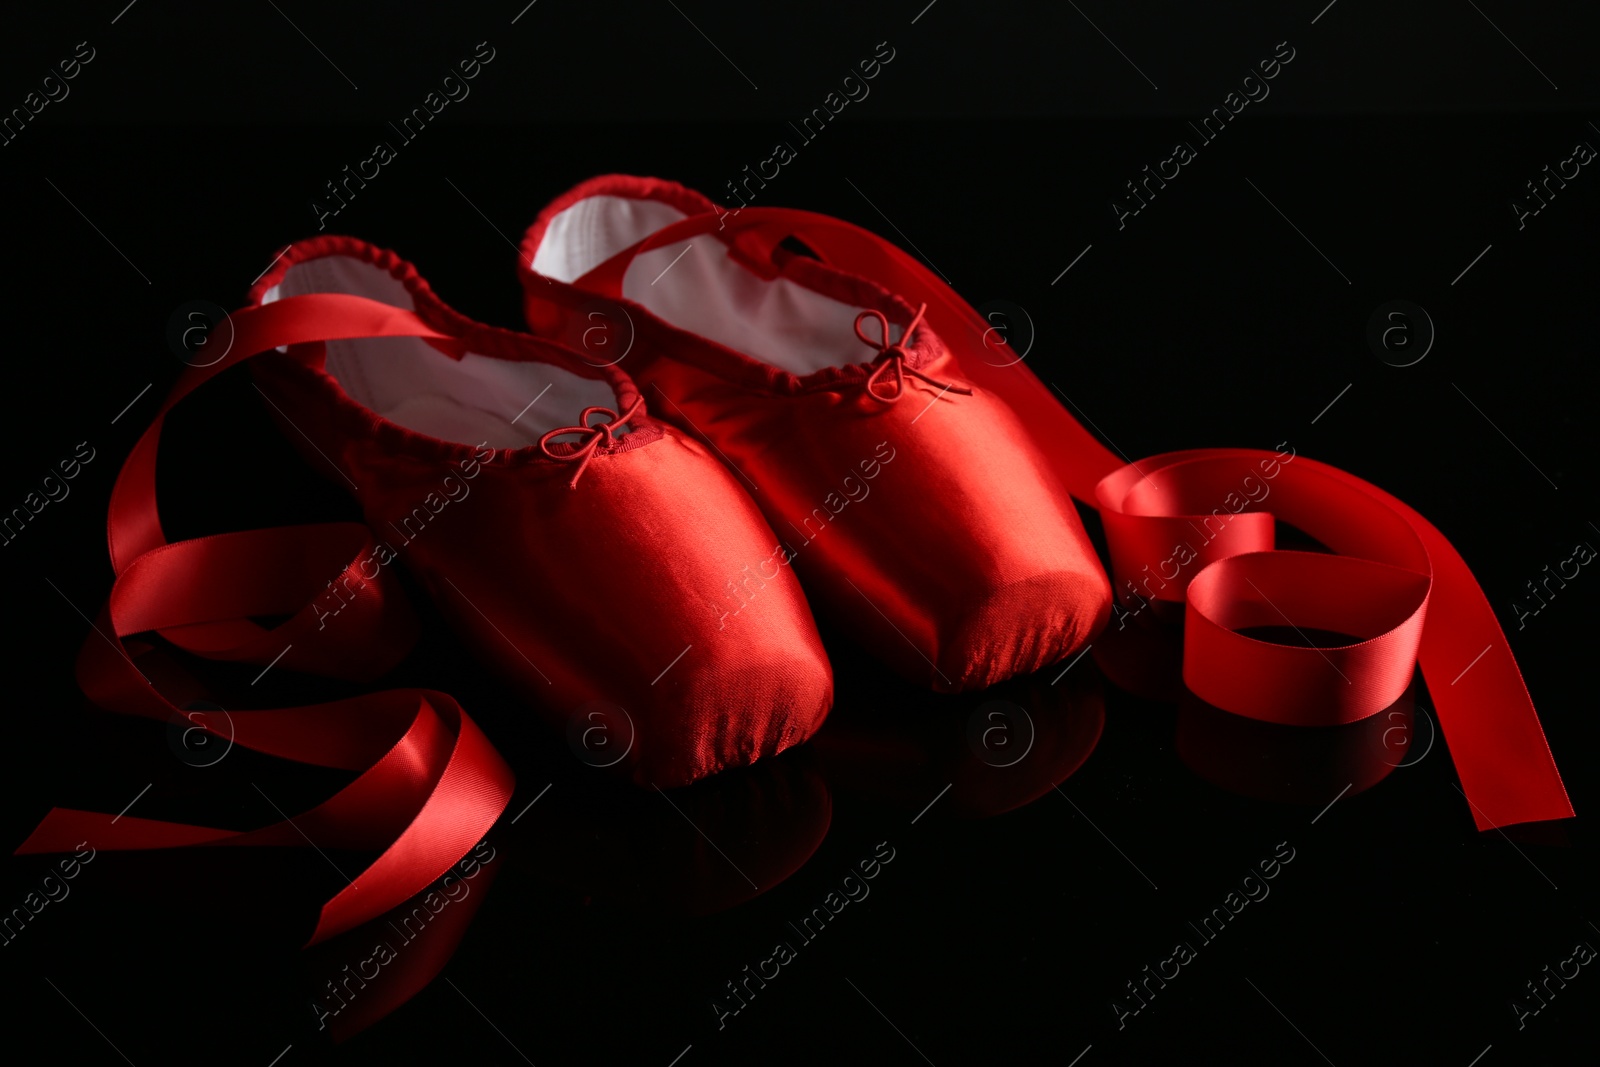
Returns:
(1397,584)
(430,784)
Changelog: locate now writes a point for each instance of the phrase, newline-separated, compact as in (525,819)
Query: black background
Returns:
(188,153)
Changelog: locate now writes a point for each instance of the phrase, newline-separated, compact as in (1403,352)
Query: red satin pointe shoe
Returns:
(582,548)
(912,502)
(1190,531)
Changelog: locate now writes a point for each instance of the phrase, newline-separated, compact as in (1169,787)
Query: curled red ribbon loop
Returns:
(594,437)
(1383,606)
(1195,526)
(429,783)
(1188,526)
(891,359)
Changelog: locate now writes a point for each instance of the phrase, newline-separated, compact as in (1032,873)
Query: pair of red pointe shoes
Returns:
(631,527)
(619,511)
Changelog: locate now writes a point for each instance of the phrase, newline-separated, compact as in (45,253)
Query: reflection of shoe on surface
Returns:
(912,504)
(649,851)
(581,547)
(968,756)
(1142,655)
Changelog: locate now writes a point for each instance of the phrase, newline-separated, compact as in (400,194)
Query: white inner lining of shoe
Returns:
(477,400)
(696,286)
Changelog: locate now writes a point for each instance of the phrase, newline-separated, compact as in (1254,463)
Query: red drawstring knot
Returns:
(892,359)
(596,435)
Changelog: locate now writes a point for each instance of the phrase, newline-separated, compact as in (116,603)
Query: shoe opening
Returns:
(475,400)
(697,286)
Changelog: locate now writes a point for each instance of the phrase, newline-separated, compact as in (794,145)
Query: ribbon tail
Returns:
(1508,773)
(467,799)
